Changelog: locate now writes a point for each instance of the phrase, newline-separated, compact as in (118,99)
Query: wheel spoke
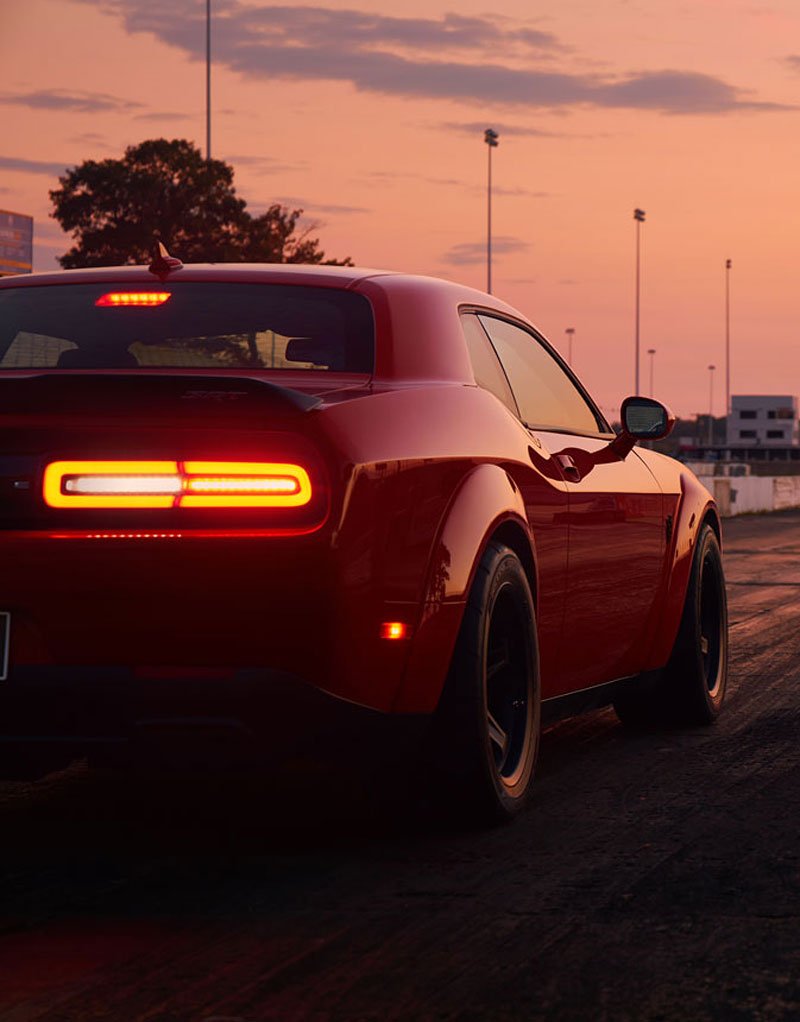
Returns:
(498,659)
(497,734)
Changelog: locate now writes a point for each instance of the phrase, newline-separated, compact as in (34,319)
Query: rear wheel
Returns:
(485,734)
(692,686)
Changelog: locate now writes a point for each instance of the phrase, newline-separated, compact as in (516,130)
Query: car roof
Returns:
(332,276)
(273,273)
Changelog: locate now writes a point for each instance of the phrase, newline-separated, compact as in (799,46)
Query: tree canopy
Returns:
(167,190)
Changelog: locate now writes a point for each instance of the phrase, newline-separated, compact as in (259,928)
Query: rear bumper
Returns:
(184,606)
(114,715)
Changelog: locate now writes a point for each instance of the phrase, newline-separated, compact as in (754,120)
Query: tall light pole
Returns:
(651,352)
(638,216)
(570,332)
(728,265)
(491,138)
(208,79)
(711,405)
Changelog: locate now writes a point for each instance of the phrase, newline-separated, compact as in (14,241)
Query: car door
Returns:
(615,515)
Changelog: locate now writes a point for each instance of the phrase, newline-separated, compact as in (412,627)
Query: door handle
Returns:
(571,471)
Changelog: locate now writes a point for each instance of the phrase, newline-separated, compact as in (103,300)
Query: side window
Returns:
(546,396)
(485,364)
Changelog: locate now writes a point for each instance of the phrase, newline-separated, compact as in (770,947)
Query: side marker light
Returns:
(394,630)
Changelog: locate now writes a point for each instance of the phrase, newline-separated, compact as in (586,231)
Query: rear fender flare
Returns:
(487,505)
(696,508)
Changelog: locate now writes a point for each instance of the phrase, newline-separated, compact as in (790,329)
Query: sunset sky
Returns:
(370,117)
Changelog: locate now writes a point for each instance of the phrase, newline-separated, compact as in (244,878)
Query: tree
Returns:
(166,190)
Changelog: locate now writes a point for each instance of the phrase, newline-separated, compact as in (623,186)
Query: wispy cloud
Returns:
(433,58)
(166,117)
(468,252)
(263,164)
(93,138)
(517,192)
(63,100)
(390,177)
(31,166)
(792,61)
(477,129)
(309,205)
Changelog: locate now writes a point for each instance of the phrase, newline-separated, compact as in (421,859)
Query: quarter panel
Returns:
(413,527)
(486,498)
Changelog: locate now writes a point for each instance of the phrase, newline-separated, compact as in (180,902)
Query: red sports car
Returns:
(267,500)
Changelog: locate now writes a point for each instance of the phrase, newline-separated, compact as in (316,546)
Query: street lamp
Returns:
(208,79)
(651,352)
(728,265)
(570,332)
(711,405)
(638,216)
(491,138)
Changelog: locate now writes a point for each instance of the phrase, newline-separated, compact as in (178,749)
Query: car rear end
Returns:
(168,496)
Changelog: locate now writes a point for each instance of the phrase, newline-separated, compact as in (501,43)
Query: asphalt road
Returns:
(654,877)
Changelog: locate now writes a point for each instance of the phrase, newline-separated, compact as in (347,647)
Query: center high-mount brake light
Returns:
(128,299)
(170,484)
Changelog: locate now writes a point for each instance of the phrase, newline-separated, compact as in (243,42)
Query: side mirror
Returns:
(642,419)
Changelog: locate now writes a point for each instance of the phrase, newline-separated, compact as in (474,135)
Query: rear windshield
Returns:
(186,326)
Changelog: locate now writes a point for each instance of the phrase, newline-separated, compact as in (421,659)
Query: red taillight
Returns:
(140,299)
(168,484)
(244,484)
(107,484)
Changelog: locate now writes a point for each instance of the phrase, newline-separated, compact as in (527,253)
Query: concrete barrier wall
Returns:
(787,492)
(736,495)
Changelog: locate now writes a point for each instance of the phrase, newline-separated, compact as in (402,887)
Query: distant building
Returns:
(762,420)
(16,243)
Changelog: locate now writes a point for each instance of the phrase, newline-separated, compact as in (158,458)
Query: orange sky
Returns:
(370,116)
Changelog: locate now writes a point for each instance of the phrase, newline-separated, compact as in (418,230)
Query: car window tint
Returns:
(546,396)
(187,325)
(485,364)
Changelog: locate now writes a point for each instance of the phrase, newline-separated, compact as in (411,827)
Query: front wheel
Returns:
(485,734)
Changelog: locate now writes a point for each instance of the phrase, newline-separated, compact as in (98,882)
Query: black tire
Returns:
(691,688)
(485,734)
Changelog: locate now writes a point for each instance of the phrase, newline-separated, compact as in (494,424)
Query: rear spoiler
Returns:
(110,392)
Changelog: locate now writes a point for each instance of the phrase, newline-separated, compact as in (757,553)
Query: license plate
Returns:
(5,631)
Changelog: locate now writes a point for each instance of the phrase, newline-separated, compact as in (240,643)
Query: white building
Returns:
(768,420)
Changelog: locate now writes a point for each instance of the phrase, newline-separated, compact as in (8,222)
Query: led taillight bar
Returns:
(244,484)
(140,299)
(166,484)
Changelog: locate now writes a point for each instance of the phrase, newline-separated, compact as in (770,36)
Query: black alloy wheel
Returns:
(691,688)
(507,688)
(485,734)
(713,625)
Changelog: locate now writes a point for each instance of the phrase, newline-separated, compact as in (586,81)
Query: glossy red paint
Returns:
(414,470)
(690,505)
